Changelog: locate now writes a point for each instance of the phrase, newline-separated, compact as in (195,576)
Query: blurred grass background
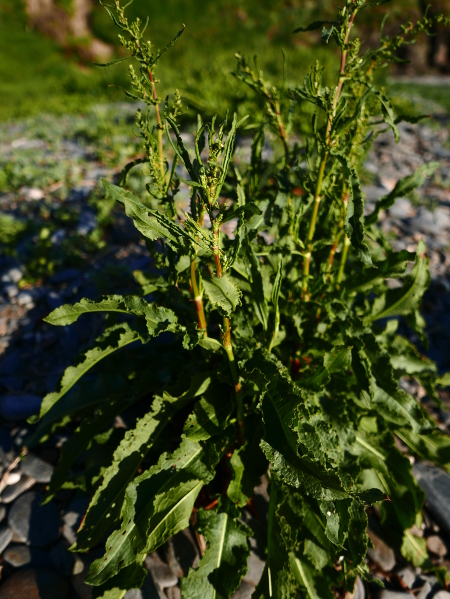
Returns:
(38,74)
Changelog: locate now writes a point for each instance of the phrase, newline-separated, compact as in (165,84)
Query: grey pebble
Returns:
(436,485)
(5,537)
(34,523)
(19,407)
(245,591)
(381,553)
(161,572)
(408,576)
(436,545)
(425,591)
(442,595)
(18,555)
(36,468)
(2,513)
(11,492)
(13,275)
(33,583)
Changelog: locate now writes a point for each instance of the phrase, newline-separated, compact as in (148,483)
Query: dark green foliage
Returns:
(279,358)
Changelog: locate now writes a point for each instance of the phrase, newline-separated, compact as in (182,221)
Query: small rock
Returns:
(11,290)
(20,555)
(173,593)
(64,561)
(442,595)
(13,491)
(34,523)
(19,407)
(32,193)
(13,275)
(402,209)
(381,553)
(161,573)
(436,545)
(73,518)
(2,513)
(36,468)
(25,298)
(425,591)
(12,478)
(87,222)
(148,591)
(5,537)
(66,275)
(245,591)
(436,485)
(387,594)
(407,576)
(35,584)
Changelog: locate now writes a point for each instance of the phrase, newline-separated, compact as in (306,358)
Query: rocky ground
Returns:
(60,244)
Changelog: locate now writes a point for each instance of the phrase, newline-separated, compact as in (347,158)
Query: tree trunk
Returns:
(67,27)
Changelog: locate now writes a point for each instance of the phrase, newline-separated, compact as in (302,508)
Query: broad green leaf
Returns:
(222,293)
(339,359)
(210,415)
(434,446)
(407,298)
(393,267)
(444,380)
(247,465)
(111,340)
(105,506)
(131,577)
(225,560)
(157,505)
(308,579)
(414,549)
(402,188)
(259,301)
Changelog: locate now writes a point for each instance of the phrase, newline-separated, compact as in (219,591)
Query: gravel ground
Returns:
(34,539)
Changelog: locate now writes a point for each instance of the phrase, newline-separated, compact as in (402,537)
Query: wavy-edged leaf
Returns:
(225,560)
(338,359)
(222,293)
(113,339)
(402,188)
(394,266)
(151,223)
(157,505)
(354,219)
(314,26)
(210,415)
(158,319)
(105,506)
(404,300)
(109,64)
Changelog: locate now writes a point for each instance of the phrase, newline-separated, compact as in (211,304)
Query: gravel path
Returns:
(55,181)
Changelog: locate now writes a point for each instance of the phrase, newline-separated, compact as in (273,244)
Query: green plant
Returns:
(279,353)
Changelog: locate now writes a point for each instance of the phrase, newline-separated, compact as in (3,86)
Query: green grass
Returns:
(37,76)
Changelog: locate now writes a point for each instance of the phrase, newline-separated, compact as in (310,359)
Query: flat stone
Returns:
(436,545)
(19,407)
(64,560)
(11,492)
(35,584)
(408,576)
(442,595)
(73,518)
(425,591)
(256,565)
(34,523)
(436,485)
(36,468)
(161,572)
(149,590)
(245,591)
(181,553)
(381,553)
(13,275)
(173,593)
(5,537)
(21,555)
(387,594)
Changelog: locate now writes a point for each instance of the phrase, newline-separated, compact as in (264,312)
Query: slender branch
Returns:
(323,162)
(158,120)
(198,301)
(344,258)
(228,347)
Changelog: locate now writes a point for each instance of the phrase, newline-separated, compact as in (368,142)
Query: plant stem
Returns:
(198,301)
(228,347)
(344,258)
(158,120)
(323,162)
(216,250)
